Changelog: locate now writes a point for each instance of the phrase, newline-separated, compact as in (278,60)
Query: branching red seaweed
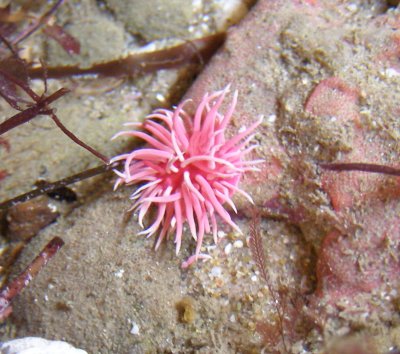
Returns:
(42,20)
(40,105)
(257,250)
(14,287)
(48,187)
(70,44)
(291,323)
(362,167)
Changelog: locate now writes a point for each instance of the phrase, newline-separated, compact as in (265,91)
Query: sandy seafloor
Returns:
(107,291)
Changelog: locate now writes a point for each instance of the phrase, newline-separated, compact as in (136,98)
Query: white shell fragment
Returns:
(36,345)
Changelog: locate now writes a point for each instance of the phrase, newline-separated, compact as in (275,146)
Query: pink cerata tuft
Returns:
(188,169)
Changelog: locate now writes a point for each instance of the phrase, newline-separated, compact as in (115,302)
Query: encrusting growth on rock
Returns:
(188,170)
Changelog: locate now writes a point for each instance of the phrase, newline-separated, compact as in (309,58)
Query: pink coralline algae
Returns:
(188,170)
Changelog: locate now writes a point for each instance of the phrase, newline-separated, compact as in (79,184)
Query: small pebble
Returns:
(238,244)
(242,129)
(228,248)
(216,272)
(390,72)
(26,219)
(352,7)
(135,329)
(186,310)
(160,97)
(221,234)
(119,273)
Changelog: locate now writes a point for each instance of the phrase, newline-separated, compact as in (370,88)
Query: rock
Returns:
(186,310)
(36,345)
(325,98)
(25,220)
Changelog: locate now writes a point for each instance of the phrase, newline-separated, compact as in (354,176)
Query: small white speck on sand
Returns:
(216,272)
(135,329)
(238,244)
(228,248)
(119,273)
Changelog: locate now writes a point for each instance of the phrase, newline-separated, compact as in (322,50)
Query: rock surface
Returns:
(325,77)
